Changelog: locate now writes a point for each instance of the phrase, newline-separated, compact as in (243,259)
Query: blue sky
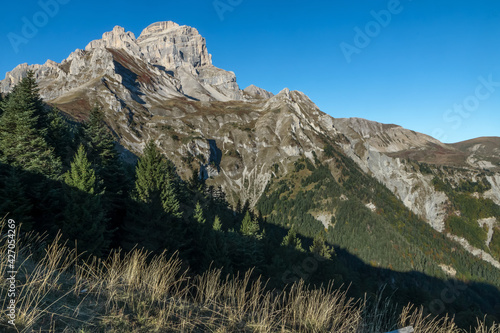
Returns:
(430,66)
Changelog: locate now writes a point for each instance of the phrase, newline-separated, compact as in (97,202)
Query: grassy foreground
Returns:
(58,291)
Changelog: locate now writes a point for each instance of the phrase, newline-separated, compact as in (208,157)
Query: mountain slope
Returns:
(163,86)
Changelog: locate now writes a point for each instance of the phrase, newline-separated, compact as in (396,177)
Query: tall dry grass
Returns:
(137,292)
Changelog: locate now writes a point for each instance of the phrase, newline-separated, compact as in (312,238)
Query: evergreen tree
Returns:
(84,216)
(217,247)
(102,152)
(29,85)
(59,135)
(320,248)
(22,141)
(217,226)
(198,214)
(237,207)
(81,176)
(105,159)
(151,219)
(100,144)
(291,240)
(197,183)
(246,207)
(250,226)
(150,175)
(1,103)
(169,194)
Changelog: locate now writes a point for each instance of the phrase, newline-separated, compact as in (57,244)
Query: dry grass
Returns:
(136,292)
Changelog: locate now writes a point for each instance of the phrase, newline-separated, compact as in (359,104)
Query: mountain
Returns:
(396,198)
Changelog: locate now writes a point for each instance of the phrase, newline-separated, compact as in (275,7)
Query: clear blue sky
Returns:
(412,70)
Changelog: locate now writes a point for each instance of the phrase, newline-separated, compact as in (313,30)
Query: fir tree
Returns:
(217,247)
(150,175)
(197,183)
(59,135)
(102,152)
(151,219)
(81,176)
(170,190)
(250,226)
(84,215)
(291,240)
(22,141)
(237,207)
(217,226)
(105,159)
(29,85)
(320,248)
(198,214)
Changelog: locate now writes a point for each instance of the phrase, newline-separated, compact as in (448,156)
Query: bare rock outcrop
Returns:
(258,92)
(178,52)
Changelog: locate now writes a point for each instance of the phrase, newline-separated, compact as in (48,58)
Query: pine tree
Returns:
(197,183)
(59,135)
(237,207)
(100,145)
(169,200)
(29,85)
(217,226)
(81,175)
(22,140)
(150,175)
(217,247)
(84,215)
(320,248)
(169,194)
(151,218)
(250,226)
(198,214)
(103,154)
(105,159)
(291,240)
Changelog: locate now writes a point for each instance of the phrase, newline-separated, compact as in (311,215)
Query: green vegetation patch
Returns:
(467,229)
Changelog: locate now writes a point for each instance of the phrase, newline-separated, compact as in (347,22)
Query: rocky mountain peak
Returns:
(116,39)
(169,59)
(171,45)
(257,92)
(158,27)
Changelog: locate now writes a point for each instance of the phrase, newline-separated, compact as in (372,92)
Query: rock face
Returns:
(258,92)
(170,45)
(169,58)
(369,145)
(163,86)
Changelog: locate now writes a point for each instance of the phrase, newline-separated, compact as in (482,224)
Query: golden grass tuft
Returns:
(58,291)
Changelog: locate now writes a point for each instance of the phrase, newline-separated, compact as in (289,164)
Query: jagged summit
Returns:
(162,43)
(168,60)
(158,27)
(258,92)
